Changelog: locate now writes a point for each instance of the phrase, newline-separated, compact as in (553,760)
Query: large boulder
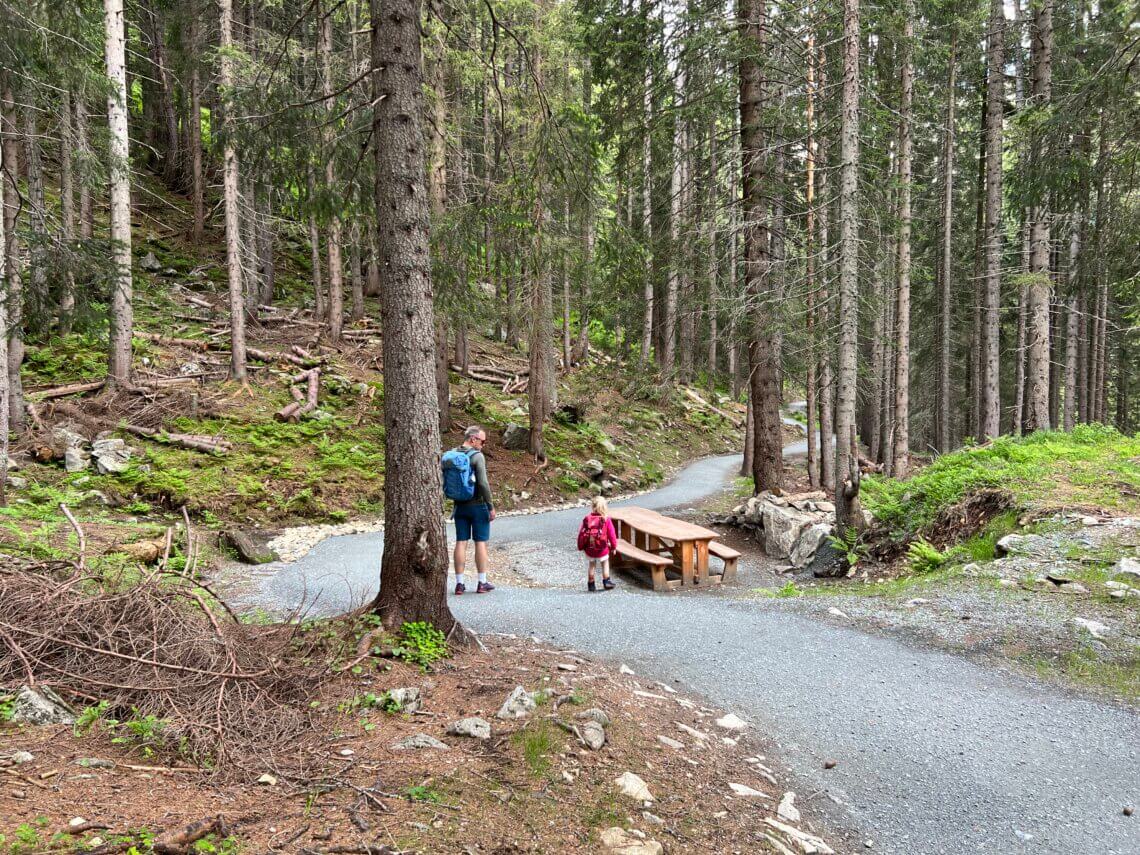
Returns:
(593,469)
(516,437)
(782,528)
(76,459)
(42,706)
(809,542)
(251,547)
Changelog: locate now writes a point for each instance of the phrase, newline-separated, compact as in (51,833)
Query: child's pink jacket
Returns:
(610,535)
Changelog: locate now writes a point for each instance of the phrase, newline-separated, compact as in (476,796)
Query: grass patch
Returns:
(1094,464)
(537,743)
(1085,667)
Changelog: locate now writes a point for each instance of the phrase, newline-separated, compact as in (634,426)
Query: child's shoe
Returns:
(484,588)
(460,588)
(608,584)
(591,587)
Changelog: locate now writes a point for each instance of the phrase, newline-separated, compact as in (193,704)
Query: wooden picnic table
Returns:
(652,532)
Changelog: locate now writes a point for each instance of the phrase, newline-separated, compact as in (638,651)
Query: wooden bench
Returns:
(729,556)
(627,553)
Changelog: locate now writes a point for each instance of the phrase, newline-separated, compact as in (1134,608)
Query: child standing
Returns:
(596,537)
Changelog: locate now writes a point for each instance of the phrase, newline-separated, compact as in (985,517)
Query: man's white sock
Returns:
(482,577)
(458,578)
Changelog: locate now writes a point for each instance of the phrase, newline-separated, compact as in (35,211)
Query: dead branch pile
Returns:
(225,692)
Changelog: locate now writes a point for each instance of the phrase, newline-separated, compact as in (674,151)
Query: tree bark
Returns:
(990,415)
(673,278)
(67,207)
(336,263)
(946,270)
(83,149)
(414,565)
(6,172)
(1040,283)
(764,392)
(122,312)
(197,180)
(35,296)
(901,453)
(541,356)
(810,389)
(1071,325)
(647,215)
(230,192)
(848,514)
(826,398)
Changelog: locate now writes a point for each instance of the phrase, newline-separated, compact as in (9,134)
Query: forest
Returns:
(870,271)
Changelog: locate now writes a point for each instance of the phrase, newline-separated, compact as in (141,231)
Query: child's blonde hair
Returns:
(599,506)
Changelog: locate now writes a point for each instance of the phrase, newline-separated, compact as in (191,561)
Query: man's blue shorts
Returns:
(472,522)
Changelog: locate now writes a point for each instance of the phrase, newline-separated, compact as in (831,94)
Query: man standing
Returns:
(473,516)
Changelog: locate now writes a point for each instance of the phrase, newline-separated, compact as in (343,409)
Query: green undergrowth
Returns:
(1087,667)
(1092,465)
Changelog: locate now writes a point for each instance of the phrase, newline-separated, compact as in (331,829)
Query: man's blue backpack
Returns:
(458,475)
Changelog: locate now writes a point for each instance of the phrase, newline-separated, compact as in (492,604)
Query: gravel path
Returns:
(934,754)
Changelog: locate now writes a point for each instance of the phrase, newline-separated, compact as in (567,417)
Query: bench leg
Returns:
(687,557)
(702,568)
(729,570)
(660,583)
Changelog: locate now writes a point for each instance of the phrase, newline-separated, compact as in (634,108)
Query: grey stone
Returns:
(150,263)
(251,547)
(41,707)
(476,728)
(64,437)
(593,469)
(189,369)
(672,743)
(827,560)
(111,455)
(76,459)
(826,507)
(16,758)
(94,763)
(593,735)
(594,714)
(407,699)
(808,543)
(516,437)
(1094,628)
(1127,567)
(16,482)
(618,841)
(519,704)
(1072,588)
(608,446)
(782,529)
(634,787)
(419,742)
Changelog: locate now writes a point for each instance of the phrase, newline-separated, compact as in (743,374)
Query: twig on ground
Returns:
(78,533)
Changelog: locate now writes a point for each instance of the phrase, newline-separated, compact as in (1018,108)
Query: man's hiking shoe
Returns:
(608,584)
(484,588)
(460,588)
(591,587)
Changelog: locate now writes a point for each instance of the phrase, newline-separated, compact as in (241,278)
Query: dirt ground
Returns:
(531,787)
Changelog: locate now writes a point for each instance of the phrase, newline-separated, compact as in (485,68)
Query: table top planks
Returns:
(660,525)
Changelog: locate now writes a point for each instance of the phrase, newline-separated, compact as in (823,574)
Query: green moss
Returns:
(1095,462)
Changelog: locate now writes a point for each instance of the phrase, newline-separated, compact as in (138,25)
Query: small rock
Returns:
(408,699)
(1094,628)
(111,455)
(917,601)
(346,752)
(252,548)
(1127,810)
(634,787)
(93,842)
(94,763)
(21,794)
(787,809)
(621,842)
(519,704)
(40,707)
(594,714)
(625,669)
(1127,567)
(76,821)
(692,731)
(476,728)
(747,792)
(1072,588)
(76,459)
(419,742)
(150,263)
(1007,583)
(516,437)
(593,735)
(731,722)
(189,369)
(830,764)
(267,780)
(672,743)
(593,469)
(16,482)
(652,818)
(566,666)
(837,612)
(16,758)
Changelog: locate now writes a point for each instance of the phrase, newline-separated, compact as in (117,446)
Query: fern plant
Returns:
(924,557)
(850,543)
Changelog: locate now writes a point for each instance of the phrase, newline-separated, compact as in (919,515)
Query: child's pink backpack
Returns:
(592,536)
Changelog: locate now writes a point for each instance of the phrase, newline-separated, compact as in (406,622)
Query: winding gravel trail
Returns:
(934,754)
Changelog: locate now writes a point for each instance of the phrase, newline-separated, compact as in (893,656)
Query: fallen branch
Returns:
(192,833)
(78,533)
(158,338)
(731,419)
(193,441)
(301,404)
(63,391)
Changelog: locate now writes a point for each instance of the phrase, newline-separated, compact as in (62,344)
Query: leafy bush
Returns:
(850,543)
(421,644)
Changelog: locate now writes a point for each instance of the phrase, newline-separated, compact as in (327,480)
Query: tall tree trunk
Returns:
(83,149)
(230,194)
(437,196)
(13,279)
(712,257)
(67,207)
(647,217)
(673,279)
(946,270)
(901,453)
(336,263)
(172,156)
(413,574)
(36,295)
(976,358)
(848,514)
(879,367)
(764,391)
(356,266)
(824,318)
(564,275)
(541,356)
(683,256)
(813,457)
(1071,340)
(1040,283)
(122,311)
(197,179)
(749,439)
(4,391)
(990,415)
(1021,381)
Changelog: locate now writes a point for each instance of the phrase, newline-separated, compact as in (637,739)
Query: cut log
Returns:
(157,338)
(63,391)
(195,442)
(301,405)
